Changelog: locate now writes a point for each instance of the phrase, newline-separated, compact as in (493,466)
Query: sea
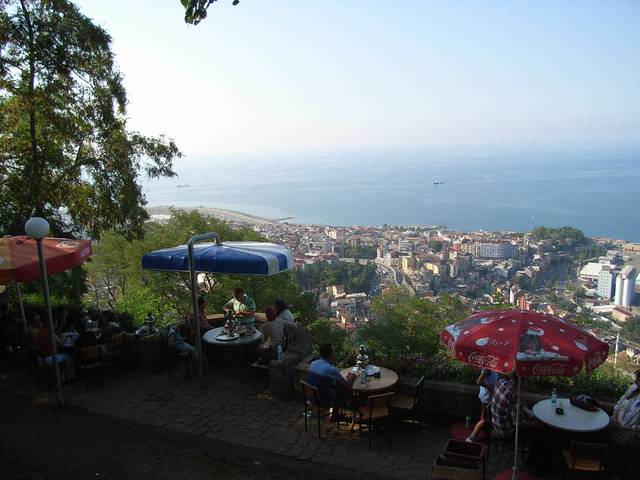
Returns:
(595,190)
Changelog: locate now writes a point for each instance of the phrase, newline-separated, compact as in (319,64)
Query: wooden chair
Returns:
(115,350)
(311,396)
(376,411)
(91,360)
(406,406)
(585,457)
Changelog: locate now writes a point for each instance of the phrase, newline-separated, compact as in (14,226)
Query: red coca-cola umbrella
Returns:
(19,257)
(529,343)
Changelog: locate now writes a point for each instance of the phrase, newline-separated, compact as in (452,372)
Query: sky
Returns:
(273,77)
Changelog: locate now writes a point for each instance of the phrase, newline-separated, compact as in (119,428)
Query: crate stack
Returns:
(460,460)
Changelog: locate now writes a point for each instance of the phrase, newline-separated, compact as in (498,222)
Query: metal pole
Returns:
(615,356)
(194,294)
(514,475)
(24,317)
(52,337)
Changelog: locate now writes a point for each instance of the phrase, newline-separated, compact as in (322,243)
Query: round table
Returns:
(210,338)
(388,379)
(574,419)
(241,347)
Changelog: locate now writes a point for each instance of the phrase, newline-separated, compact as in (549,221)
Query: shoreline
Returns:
(236,216)
(242,217)
(221,213)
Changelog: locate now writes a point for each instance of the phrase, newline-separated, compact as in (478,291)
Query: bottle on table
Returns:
(363,376)
(554,396)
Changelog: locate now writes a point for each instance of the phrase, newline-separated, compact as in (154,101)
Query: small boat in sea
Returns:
(438,182)
(183,186)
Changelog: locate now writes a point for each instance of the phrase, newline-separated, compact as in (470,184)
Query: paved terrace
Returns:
(227,409)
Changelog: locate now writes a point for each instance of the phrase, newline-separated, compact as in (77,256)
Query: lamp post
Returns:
(38,228)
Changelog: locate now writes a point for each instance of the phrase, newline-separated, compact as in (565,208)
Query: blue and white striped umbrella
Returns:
(240,258)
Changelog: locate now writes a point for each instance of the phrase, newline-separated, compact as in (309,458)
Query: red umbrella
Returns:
(529,343)
(19,257)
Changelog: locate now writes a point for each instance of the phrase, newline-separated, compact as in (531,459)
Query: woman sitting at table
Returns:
(625,434)
(202,316)
(272,331)
(283,312)
(42,345)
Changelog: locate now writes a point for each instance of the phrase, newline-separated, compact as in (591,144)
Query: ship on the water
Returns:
(438,182)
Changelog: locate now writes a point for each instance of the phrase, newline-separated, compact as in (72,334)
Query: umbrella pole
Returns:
(52,334)
(514,476)
(194,293)
(196,313)
(22,315)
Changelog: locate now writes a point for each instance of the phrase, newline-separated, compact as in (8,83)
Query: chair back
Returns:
(588,451)
(118,339)
(378,405)
(310,392)
(90,356)
(417,394)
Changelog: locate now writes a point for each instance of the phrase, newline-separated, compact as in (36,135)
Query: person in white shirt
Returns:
(282,309)
(272,329)
(624,437)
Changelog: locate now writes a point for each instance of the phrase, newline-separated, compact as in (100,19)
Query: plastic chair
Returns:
(376,411)
(585,458)
(407,406)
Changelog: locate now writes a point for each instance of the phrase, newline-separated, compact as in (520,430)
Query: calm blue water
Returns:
(596,191)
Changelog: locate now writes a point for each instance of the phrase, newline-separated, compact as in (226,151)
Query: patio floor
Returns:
(226,409)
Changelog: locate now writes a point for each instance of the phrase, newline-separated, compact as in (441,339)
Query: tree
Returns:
(196,10)
(65,150)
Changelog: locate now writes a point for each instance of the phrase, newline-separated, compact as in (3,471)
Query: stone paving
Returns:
(224,407)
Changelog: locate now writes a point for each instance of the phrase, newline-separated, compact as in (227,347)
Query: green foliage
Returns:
(406,326)
(360,251)
(631,329)
(604,383)
(65,150)
(325,331)
(560,237)
(196,10)
(435,246)
(117,270)
(354,277)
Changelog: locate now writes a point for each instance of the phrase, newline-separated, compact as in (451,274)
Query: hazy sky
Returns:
(284,76)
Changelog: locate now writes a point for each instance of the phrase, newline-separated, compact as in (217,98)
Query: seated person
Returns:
(334,389)
(272,329)
(503,415)
(202,315)
(283,312)
(42,345)
(243,307)
(177,339)
(624,436)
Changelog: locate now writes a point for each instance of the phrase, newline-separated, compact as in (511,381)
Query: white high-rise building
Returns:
(626,286)
(606,282)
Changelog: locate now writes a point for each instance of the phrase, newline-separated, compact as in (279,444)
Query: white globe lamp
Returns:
(36,228)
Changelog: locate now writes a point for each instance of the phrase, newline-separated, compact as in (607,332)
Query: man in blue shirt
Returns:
(323,374)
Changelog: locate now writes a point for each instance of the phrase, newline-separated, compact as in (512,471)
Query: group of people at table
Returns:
(243,308)
(71,334)
(498,396)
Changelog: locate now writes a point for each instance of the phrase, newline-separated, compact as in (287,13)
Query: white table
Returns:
(574,419)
